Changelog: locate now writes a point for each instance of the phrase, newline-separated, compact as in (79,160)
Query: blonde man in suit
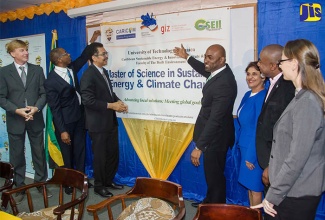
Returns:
(22,95)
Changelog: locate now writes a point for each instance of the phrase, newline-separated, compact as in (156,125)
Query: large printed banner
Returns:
(156,84)
(36,49)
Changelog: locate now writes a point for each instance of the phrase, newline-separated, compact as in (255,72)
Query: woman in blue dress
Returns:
(250,173)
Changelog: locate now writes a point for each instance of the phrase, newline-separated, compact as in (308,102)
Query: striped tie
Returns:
(106,80)
(70,77)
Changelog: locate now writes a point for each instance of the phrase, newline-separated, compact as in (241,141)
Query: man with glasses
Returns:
(279,94)
(64,99)
(101,104)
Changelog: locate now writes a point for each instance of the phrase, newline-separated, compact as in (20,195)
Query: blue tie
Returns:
(70,77)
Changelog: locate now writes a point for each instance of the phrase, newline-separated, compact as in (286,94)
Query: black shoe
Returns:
(90,185)
(195,204)
(68,190)
(48,192)
(19,197)
(103,192)
(115,186)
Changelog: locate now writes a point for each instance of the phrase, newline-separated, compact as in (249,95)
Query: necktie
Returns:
(209,77)
(272,83)
(70,77)
(23,75)
(106,80)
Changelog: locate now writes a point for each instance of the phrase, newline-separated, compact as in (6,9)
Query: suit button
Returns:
(273,141)
(271,156)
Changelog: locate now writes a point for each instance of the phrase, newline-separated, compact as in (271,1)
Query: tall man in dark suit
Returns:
(22,95)
(214,127)
(279,95)
(101,103)
(64,99)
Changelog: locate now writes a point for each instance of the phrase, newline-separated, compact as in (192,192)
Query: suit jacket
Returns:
(95,96)
(214,127)
(280,96)
(61,96)
(13,95)
(297,162)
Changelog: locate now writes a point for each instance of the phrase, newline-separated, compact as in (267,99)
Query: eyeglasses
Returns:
(259,60)
(64,54)
(102,54)
(280,61)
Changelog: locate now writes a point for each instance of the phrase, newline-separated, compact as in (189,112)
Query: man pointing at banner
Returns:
(214,127)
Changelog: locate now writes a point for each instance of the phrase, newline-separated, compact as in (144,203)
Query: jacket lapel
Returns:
(275,87)
(14,74)
(101,79)
(288,108)
(30,74)
(59,79)
(213,79)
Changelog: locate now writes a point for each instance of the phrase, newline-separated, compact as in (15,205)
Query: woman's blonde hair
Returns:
(309,65)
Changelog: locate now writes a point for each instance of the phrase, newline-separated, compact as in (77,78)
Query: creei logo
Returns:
(310,12)
(202,24)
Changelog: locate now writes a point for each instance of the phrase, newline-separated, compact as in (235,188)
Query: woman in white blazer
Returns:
(297,161)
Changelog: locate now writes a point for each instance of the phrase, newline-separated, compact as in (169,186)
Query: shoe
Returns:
(19,197)
(90,185)
(68,190)
(48,192)
(195,204)
(103,192)
(115,186)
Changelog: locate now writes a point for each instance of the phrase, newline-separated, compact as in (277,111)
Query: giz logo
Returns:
(310,12)
(165,29)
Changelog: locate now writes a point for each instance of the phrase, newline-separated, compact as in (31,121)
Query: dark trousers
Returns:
(302,208)
(214,167)
(106,156)
(17,155)
(74,154)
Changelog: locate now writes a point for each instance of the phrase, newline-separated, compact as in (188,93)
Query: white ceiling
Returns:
(10,5)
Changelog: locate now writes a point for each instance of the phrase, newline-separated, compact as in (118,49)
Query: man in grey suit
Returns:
(22,95)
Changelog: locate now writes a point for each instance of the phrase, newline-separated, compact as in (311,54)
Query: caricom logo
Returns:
(210,25)
(310,12)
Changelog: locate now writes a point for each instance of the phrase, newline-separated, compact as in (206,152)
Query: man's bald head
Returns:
(269,57)
(274,52)
(214,58)
(219,49)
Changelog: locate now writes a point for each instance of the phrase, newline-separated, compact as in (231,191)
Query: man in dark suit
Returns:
(280,93)
(22,95)
(64,99)
(214,127)
(101,103)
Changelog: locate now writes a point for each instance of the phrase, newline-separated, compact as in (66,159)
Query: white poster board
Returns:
(160,86)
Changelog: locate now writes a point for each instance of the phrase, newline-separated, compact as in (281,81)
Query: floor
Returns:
(92,199)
